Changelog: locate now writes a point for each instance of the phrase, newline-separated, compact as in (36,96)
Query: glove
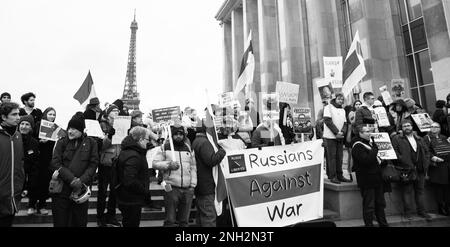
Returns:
(174,165)
(111,132)
(76,184)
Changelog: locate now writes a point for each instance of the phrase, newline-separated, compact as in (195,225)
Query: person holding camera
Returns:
(368,175)
(413,159)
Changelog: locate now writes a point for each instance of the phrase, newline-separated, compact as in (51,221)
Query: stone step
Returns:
(399,221)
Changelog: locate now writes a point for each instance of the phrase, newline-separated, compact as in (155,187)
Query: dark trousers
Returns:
(6,221)
(67,213)
(414,189)
(178,206)
(206,210)
(373,202)
(105,179)
(334,155)
(442,193)
(131,215)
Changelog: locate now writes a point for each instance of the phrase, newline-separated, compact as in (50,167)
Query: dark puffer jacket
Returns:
(12,175)
(132,172)
(75,158)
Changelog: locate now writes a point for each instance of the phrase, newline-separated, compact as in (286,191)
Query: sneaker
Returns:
(335,181)
(113,222)
(42,211)
(426,216)
(31,211)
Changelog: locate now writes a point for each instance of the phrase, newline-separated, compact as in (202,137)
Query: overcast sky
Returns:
(48,47)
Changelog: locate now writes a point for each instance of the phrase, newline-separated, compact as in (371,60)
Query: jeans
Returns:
(178,205)
(105,179)
(206,210)
(373,202)
(417,188)
(131,215)
(67,213)
(334,155)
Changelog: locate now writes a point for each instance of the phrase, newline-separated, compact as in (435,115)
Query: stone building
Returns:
(401,39)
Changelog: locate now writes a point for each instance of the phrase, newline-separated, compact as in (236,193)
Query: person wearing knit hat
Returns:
(77,124)
(112,108)
(410,103)
(29,119)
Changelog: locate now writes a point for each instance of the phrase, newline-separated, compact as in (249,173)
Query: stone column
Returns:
(269,44)
(293,57)
(227,57)
(237,32)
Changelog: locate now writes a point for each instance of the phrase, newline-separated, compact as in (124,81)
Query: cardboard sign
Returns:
(423,121)
(50,131)
(121,124)
(270,107)
(385,149)
(287,92)
(381,116)
(166,115)
(93,128)
(333,70)
(302,120)
(386,95)
(277,186)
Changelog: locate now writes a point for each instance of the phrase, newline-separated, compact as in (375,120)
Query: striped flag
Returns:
(219,179)
(354,69)
(247,70)
(86,91)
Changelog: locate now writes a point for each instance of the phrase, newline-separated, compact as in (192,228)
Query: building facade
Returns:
(404,41)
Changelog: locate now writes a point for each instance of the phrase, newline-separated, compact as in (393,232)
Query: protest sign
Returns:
(121,124)
(386,95)
(93,128)
(381,116)
(302,120)
(385,149)
(287,92)
(333,70)
(270,107)
(423,121)
(277,186)
(325,89)
(398,88)
(226,99)
(166,115)
(50,131)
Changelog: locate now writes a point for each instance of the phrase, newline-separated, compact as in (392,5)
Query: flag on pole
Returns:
(245,78)
(86,91)
(219,179)
(354,69)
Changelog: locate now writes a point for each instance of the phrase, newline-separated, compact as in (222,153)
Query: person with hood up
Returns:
(133,185)
(398,110)
(180,173)
(12,176)
(75,160)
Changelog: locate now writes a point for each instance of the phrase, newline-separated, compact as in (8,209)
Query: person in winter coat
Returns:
(28,100)
(440,117)
(206,158)
(412,154)
(93,110)
(31,163)
(181,174)
(133,185)
(368,175)
(120,105)
(75,159)
(286,125)
(12,176)
(439,170)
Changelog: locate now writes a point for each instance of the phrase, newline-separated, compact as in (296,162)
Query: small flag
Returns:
(354,69)
(245,78)
(86,91)
(219,179)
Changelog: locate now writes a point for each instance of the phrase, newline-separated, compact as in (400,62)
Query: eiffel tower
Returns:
(130,96)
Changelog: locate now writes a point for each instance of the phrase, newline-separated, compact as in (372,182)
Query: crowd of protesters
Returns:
(28,164)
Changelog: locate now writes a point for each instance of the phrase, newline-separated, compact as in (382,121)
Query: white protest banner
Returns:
(302,120)
(270,107)
(50,131)
(121,124)
(287,92)
(333,70)
(386,95)
(93,128)
(277,186)
(385,149)
(381,116)
(423,121)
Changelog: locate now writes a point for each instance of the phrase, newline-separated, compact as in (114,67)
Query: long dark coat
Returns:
(438,172)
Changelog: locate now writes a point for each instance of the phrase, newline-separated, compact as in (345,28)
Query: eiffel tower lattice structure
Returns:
(130,96)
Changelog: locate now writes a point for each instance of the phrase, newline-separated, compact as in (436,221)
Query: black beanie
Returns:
(177,128)
(27,118)
(77,123)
